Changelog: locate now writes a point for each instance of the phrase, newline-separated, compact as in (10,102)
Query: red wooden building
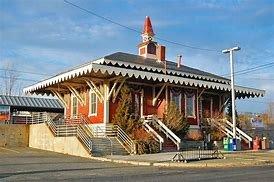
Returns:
(92,89)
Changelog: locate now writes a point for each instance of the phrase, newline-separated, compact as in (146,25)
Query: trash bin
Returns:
(265,143)
(256,143)
(236,143)
(225,142)
(230,144)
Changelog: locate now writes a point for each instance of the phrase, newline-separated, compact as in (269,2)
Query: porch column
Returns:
(166,95)
(106,102)
(142,103)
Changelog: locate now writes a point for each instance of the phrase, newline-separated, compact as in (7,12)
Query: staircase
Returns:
(98,141)
(167,139)
(227,128)
(120,139)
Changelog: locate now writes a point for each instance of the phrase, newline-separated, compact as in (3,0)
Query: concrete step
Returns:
(102,146)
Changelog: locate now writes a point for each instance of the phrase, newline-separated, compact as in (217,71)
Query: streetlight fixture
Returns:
(230,51)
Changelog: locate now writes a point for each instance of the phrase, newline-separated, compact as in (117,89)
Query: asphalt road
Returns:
(25,164)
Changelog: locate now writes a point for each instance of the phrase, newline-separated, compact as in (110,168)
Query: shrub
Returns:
(132,126)
(175,120)
(123,113)
(195,135)
(144,141)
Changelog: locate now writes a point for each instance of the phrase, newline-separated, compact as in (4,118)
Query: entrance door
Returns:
(206,108)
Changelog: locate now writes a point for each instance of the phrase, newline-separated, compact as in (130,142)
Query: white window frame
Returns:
(193,102)
(96,103)
(71,105)
(180,100)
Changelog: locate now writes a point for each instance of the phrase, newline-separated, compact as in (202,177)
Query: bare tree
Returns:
(10,77)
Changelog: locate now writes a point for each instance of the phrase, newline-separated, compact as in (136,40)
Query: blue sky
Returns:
(49,36)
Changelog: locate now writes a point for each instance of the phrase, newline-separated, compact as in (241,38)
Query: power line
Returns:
(263,102)
(250,71)
(244,71)
(23,79)
(28,72)
(137,31)
(257,78)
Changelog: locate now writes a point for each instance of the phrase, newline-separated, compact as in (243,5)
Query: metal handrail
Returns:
(104,134)
(85,123)
(52,127)
(34,118)
(84,137)
(127,142)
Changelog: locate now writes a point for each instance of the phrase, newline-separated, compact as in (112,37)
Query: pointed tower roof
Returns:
(148,27)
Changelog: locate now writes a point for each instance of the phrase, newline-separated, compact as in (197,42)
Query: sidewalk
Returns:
(232,159)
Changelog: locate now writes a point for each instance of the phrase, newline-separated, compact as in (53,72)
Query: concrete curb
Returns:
(186,165)
(137,163)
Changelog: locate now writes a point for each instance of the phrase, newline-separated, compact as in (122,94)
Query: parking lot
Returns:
(26,164)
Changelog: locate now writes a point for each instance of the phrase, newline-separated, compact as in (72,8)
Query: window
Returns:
(176,98)
(190,105)
(151,48)
(92,103)
(74,105)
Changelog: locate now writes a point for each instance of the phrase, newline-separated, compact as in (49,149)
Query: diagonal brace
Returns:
(158,95)
(76,93)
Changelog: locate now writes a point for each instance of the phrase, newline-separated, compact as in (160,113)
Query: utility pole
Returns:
(230,51)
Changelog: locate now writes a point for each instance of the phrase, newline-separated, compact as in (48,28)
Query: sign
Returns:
(4,113)
(257,123)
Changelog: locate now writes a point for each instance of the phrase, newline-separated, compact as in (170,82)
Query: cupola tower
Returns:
(149,48)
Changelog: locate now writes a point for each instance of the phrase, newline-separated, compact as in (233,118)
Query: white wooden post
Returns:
(106,102)
(142,103)
(166,97)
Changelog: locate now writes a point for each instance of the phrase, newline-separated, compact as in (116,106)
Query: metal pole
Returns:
(232,93)
(230,51)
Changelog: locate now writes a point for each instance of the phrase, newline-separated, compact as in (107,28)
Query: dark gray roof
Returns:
(126,58)
(30,102)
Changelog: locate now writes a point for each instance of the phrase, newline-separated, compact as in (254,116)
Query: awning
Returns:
(96,67)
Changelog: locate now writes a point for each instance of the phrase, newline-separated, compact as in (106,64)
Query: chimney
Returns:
(161,53)
(179,61)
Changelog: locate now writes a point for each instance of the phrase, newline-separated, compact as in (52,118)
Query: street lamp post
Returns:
(230,51)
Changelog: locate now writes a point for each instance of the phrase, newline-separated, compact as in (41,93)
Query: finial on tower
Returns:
(148,27)
(147,33)
(149,48)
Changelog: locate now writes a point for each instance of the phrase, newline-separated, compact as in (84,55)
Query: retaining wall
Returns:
(14,135)
(41,137)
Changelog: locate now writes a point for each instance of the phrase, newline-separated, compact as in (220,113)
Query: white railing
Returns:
(126,141)
(154,134)
(226,127)
(162,127)
(240,132)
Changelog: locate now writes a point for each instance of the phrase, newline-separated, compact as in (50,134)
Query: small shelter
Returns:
(14,107)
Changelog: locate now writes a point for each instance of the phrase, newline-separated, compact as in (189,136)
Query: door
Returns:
(206,108)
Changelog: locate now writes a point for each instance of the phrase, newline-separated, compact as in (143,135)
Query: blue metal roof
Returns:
(30,102)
